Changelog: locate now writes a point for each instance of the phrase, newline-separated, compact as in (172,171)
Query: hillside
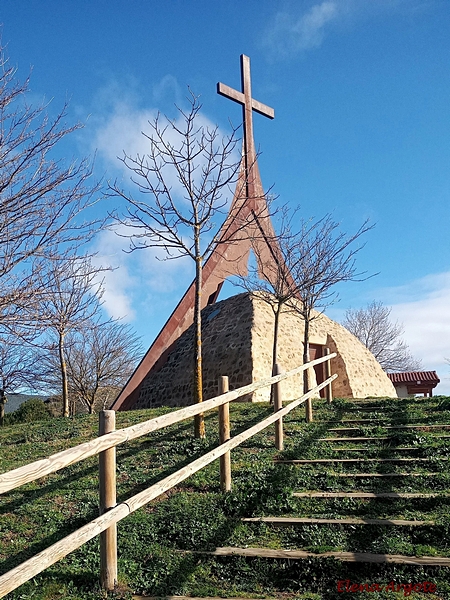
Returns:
(162,546)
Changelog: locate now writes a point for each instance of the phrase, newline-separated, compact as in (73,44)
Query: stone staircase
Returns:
(372,496)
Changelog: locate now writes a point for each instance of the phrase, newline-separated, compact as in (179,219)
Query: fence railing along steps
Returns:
(364,498)
(105,446)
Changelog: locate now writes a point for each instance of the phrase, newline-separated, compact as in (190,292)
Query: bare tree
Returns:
(272,280)
(67,298)
(326,258)
(100,358)
(374,328)
(41,199)
(309,259)
(181,181)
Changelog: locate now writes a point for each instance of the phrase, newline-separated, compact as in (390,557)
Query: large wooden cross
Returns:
(249,105)
(248,212)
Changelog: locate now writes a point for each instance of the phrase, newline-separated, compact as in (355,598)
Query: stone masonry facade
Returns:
(237,341)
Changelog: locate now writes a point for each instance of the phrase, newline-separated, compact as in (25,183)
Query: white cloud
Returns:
(122,132)
(289,34)
(126,129)
(139,280)
(423,307)
(118,283)
(293,32)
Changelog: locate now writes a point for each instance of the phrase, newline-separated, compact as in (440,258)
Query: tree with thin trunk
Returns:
(272,281)
(326,258)
(42,199)
(309,258)
(100,357)
(67,298)
(181,181)
(383,337)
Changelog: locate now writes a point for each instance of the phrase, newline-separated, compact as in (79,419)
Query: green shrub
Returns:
(31,410)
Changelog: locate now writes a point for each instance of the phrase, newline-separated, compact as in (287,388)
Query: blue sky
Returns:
(361,92)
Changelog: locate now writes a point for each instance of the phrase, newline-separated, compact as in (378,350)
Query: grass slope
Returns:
(158,544)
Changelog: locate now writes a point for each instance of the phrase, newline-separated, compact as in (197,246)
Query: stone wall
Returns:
(359,374)
(226,336)
(237,341)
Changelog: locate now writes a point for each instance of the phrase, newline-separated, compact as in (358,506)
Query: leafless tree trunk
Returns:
(327,257)
(3,401)
(185,182)
(272,280)
(99,358)
(63,371)
(311,256)
(199,422)
(68,297)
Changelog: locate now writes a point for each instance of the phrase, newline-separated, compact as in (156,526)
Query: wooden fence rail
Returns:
(108,520)
(40,468)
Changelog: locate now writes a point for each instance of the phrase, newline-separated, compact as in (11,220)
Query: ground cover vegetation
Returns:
(160,545)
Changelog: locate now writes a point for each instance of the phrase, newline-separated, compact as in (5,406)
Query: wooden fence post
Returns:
(107,482)
(224,436)
(308,403)
(277,405)
(327,366)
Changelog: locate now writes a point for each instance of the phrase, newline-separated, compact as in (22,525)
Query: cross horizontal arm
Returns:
(263,109)
(229,92)
(232,94)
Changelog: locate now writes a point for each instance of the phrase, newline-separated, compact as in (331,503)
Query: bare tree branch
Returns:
(67,297)
(373,327)
(41,199)
(19,368)
(100,356)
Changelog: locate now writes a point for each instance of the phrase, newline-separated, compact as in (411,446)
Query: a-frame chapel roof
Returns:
(248,220)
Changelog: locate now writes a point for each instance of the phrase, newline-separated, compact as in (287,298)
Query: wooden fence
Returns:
(105,445)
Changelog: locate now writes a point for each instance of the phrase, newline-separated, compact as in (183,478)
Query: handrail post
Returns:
(224,436)
(277,405)
(107,483)
(308,403)
(328,389)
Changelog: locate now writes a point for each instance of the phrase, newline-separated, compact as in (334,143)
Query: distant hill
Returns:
(15,400)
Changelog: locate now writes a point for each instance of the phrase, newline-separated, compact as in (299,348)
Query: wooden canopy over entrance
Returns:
(247,222)
(416,382)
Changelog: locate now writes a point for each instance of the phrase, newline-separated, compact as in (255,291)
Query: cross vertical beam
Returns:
(248,106)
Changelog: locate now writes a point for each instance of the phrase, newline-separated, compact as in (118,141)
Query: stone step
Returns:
(369,449)
(294,521)
(382,474)
(401,421)
(350,460)
(369,409)
(418,427)
(370,439)
(196,598)
(367,495)
(386,411)
(355,439)
(343,556)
